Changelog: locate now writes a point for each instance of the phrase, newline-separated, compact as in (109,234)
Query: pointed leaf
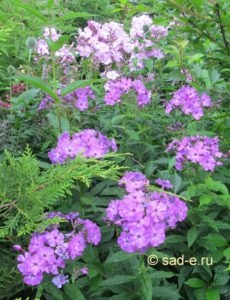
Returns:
(78,84)
(37,82)
(191,236)
(118,279)
(73,15)
(195,283)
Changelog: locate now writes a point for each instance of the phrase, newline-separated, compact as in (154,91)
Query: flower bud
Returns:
(31,43)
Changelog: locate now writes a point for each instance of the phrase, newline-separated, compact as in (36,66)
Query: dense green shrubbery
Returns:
(196,53)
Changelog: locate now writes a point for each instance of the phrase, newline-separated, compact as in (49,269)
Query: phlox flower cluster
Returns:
(202,150)
(78,98)
(144,35)
(49,251)
(108,43)
(143,216)
(115,89)
(189,101)
(105,43)
(64,54)
(88,142)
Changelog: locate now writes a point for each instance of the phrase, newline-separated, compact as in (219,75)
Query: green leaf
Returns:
(55,46)
(213,240)
(227,253)
(161,274)
(72,292)
(205,200)
(54,122)
(37,82)
(175,238)
(195,283)
(24,99)
(78,84)
(212,294)
(165,292)
(145,286)
(118,257)
(216,186)
(53,291)
(176,181)
(74,15)
(221,278)
(192,236)
(118,279)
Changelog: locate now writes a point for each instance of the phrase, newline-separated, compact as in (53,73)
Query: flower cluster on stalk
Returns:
(88,142)
(143,216)
(49,251)
(202,150)
(189,101)
(109,43)
(115,89)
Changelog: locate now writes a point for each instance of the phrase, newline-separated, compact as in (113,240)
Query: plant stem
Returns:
(226,43)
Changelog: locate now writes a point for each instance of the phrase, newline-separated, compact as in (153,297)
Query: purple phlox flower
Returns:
(33,279)
(18,248)
(77,245)
(42,47)
(84,271)
(131,211)
(65,55)
(134,181)
(164,183)
(60,280)
(157,234)
(54,238)
(157,211)
(33,265)
(93,234)
(112,212)
(51,33)
(63,251)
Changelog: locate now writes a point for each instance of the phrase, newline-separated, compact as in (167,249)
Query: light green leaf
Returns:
(195,283)
(205,200)
(216,186)
(212,294)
